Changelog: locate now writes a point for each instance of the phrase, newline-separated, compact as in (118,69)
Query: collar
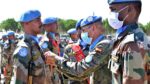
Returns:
(127,28)
(82,43)
(51,35)
(92,46)
(32,37)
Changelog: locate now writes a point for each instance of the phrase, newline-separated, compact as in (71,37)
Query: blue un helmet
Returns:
(29,15)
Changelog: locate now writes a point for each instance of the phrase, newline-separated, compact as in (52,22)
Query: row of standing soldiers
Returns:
(93,59)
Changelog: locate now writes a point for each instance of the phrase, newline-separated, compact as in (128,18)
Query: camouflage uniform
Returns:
(95,61)
(127,57)
(53,44)
(29,65)
(54,47)
(7,56)
(70,54)
(2,43)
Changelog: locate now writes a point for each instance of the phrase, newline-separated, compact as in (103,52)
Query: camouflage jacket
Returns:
(48,43)
(70,54)
(53,44)
(29,65)
(95,62)
(127,57)
(7,52)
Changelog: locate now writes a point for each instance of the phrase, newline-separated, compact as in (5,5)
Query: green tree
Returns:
(65,25)
(142,27)
(147,28)
(10,24)
(70,24)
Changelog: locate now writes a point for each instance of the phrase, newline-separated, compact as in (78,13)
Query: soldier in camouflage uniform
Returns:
(82,50)
(131,45)
(95,63)
(2,43)
(7,52)
(30,66)
(50,26)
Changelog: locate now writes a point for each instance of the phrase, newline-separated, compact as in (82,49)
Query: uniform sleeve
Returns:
(88,65)
(133,64)
(21,62)
(69,54)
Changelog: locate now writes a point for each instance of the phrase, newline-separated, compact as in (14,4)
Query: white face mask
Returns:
(114,21)
(85,38)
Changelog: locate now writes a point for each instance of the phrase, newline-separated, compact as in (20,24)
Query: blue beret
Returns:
(49,20)
(29,15)
(78,24)
(9,33)
(122,1)
(89,20)
(72,31)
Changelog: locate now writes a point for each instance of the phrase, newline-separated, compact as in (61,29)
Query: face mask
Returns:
(85,38)
(114,21)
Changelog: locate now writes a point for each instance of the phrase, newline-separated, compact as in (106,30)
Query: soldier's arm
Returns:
(133,64)
(94,60)
(21,63)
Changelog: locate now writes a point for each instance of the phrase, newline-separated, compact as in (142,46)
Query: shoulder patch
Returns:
(23,52)
(44,45)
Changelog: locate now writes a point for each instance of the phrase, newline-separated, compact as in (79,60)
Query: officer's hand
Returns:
(51,54)
(50,61)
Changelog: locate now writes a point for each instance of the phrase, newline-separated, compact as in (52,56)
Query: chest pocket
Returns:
(36,54)
(37,61)
(115,63)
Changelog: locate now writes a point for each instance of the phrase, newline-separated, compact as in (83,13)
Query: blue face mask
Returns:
(85,38)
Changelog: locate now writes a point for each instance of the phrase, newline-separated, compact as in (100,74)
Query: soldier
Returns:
(84,46)
(50,26)
(7,52)
(95,63)
(4,38)
(76,51)
(2,59)
(131,45)
(73,35)
(29,62)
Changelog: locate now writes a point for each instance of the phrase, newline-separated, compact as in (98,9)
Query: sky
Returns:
(65,9)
